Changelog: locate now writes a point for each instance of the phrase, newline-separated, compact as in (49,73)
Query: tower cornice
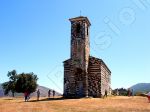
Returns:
(80,18)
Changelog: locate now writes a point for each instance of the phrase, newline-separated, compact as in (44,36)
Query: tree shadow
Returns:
(48,99)
(52,99)
(8,99)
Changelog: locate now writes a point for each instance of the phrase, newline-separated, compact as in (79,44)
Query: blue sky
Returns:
(35,37)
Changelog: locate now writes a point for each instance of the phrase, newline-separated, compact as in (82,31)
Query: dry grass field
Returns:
(111,104)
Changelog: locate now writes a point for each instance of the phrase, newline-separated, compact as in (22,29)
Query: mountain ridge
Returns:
(43,92)
(140,87)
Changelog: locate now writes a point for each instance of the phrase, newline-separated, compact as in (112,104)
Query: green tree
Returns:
(10,85)
(26,82)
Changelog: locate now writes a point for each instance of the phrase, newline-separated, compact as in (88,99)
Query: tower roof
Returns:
(81,18)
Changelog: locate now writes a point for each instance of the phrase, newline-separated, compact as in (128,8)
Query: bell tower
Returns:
(80,46)
(80,53)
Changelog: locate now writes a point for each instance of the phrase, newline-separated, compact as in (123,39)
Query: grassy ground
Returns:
(111,104)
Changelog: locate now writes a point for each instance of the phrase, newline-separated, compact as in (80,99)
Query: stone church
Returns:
(84,75)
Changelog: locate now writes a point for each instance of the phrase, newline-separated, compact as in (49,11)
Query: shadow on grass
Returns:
(52,99)
(8,99)
(48,99)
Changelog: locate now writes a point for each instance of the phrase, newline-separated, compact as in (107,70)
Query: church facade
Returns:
(84,75)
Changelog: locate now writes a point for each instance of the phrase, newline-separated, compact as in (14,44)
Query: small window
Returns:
(87,31)
(78,28)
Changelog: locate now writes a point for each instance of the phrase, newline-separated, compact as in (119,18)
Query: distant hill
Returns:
(43,91)
(141,87)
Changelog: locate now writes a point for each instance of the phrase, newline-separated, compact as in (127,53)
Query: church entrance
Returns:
(80,89)
(79,83)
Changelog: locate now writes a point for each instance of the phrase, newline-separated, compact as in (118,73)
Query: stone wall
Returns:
(74,80)
(99,77)
(94,78)
(105,79)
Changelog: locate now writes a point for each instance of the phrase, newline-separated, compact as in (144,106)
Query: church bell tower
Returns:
(80,53)
(80,46)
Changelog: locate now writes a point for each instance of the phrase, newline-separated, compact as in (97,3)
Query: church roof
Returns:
(66,60)
(81,18)
(98,59)
(91,57)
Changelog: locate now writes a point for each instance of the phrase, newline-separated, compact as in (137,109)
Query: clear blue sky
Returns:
(35,37)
